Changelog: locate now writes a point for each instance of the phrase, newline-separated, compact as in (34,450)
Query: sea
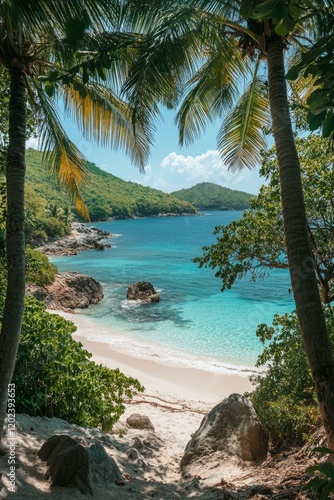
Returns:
(194,324)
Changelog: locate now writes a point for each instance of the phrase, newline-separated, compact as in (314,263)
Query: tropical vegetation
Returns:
(209,196)
(105,194)
(55,377)
(213,46)
(255,243)
(38,37)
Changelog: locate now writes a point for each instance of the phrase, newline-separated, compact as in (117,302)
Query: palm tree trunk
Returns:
(301,264)
(15,244)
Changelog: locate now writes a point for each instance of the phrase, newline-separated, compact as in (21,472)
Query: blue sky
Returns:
(170,167)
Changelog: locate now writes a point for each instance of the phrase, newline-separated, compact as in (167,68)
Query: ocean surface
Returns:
(194,324)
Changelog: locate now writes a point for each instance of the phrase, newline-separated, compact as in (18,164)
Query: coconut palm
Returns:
(38,37)
(217,46)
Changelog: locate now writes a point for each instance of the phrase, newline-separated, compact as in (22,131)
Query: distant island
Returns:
(209,196)
(106,195)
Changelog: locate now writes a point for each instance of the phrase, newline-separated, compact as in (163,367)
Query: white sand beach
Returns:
(175,400)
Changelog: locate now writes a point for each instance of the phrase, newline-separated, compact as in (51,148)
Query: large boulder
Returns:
(72,465)
(143,292)
(68,463)
(230,429)
(69,291)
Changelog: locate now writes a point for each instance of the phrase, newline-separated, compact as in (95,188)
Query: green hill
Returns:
(105,195)
(209,196)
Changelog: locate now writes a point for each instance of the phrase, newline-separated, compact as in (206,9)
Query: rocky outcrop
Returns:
(81,238)
(231,428)
(143,292)
(69,291)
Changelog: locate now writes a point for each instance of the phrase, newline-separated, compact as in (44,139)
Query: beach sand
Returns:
(175,400)
(160,378)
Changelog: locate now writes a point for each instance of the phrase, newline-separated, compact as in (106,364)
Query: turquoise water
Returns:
(194,322)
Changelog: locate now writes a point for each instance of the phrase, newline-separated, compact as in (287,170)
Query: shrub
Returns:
(54,228)
(285,396)
(55,376)
(38,268)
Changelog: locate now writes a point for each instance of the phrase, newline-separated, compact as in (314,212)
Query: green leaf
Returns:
(293,72)
(295,11)
(272,9)
(324,450)
(76,27)
(284,27)
(49,88)
(328,125)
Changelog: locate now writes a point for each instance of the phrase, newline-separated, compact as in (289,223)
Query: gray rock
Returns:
(104,469)
(82,238)
(72,465)
(143,292)
(137,421)
(54,445)
(137,443)
(230,428)
(68,463)
(132,454)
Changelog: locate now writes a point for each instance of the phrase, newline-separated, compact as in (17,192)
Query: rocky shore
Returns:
(82,238)
(69,291)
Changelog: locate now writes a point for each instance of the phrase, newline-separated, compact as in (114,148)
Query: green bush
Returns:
(38,268)
(53,227)
(55,376)
(285,397)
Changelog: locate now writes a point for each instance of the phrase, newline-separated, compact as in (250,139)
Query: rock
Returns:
(137,443)
(137,421)
(54,445)
(82,238)
(143,292)
(68,463)
(72,465)
(69,291)
(231,428)
(71,469)
(133,454)
(104,469)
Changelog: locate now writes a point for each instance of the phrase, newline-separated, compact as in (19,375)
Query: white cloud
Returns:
(33,143)
(205,167)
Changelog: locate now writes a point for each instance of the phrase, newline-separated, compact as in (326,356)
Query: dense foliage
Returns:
(285,396)
(255,243)
(38,268)
(105,195)
(54,375)
(209,196)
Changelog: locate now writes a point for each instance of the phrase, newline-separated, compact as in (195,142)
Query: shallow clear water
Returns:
(194,320)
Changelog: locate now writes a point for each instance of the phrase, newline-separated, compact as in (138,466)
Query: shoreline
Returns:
(160,378)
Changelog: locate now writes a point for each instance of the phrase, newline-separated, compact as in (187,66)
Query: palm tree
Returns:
(214,45)
(39,37)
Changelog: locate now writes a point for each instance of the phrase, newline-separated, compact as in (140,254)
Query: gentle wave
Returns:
(123,342)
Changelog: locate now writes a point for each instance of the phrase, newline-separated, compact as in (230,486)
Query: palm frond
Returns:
(210,91)
(163,59)
(62,157)
(107,119)
(240,138)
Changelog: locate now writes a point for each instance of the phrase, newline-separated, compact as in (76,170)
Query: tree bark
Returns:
(15,243)
(301,264)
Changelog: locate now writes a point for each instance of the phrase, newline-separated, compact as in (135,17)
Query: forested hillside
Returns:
(105,195)
(209,196)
